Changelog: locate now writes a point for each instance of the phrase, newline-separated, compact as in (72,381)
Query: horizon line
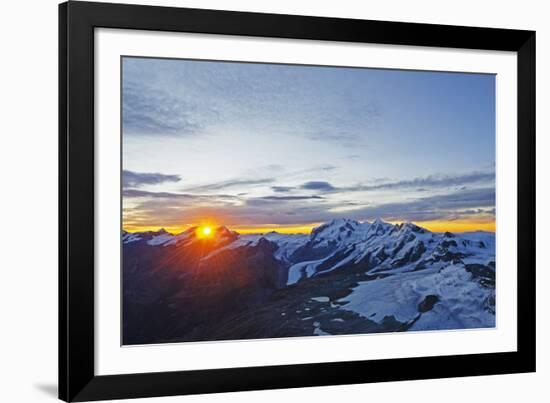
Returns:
(456,226)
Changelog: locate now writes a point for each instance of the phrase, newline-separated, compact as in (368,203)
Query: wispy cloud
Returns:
(431,181)
(136,193)
(152,111)
(230,184)
(348,127)
(420,184)
(132,179)
(288,198)
(171,196)
(282,189)
(438,207)
(164,208)
(318,185)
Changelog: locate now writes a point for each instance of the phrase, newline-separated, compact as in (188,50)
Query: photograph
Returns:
(264,200)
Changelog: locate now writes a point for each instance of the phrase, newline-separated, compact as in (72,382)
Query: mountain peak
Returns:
(189,230)
(341,221)
(223,230)
(336,224)
(412,227)
(379,227)
(379,221)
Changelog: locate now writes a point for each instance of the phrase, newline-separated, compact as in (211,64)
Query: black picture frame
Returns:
(77,379)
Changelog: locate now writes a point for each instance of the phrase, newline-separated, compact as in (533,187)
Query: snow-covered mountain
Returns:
(373,277)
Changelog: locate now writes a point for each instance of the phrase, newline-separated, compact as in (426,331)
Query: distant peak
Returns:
(335,228)
(223,230)
(342,221)
(189,230)
(337,222)
(379,221)
(380,227)
(410,226)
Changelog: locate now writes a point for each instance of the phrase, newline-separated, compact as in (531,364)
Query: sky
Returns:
(261,147)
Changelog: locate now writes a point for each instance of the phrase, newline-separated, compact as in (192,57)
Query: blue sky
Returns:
(279,145)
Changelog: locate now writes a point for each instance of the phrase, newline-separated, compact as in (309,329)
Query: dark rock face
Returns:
(381,255)
(169,291)
(311,251)
(428,303)
(398,248)
(412,255)
(412,227)
(447,244)
(444,254)
(484,274)
(331,261)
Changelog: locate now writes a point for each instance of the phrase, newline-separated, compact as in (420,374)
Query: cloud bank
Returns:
(132,179)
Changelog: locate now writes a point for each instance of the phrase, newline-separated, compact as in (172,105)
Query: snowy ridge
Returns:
(164,238)
(383,247)
(378,246)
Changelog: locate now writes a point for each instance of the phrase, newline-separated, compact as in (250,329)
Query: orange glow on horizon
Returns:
(289,229)
(458,225)
(206,230)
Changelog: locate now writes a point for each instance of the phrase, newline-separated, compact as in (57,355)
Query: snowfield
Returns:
(459,301)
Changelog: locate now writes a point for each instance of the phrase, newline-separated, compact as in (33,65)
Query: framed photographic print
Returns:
(254,201)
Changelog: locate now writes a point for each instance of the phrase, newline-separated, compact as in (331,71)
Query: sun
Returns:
(205,232)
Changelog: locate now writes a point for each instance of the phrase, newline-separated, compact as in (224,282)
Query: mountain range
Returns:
(345,277)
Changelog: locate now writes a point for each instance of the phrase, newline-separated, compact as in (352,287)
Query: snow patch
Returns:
(462,302)
(321,299)
(160,239)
